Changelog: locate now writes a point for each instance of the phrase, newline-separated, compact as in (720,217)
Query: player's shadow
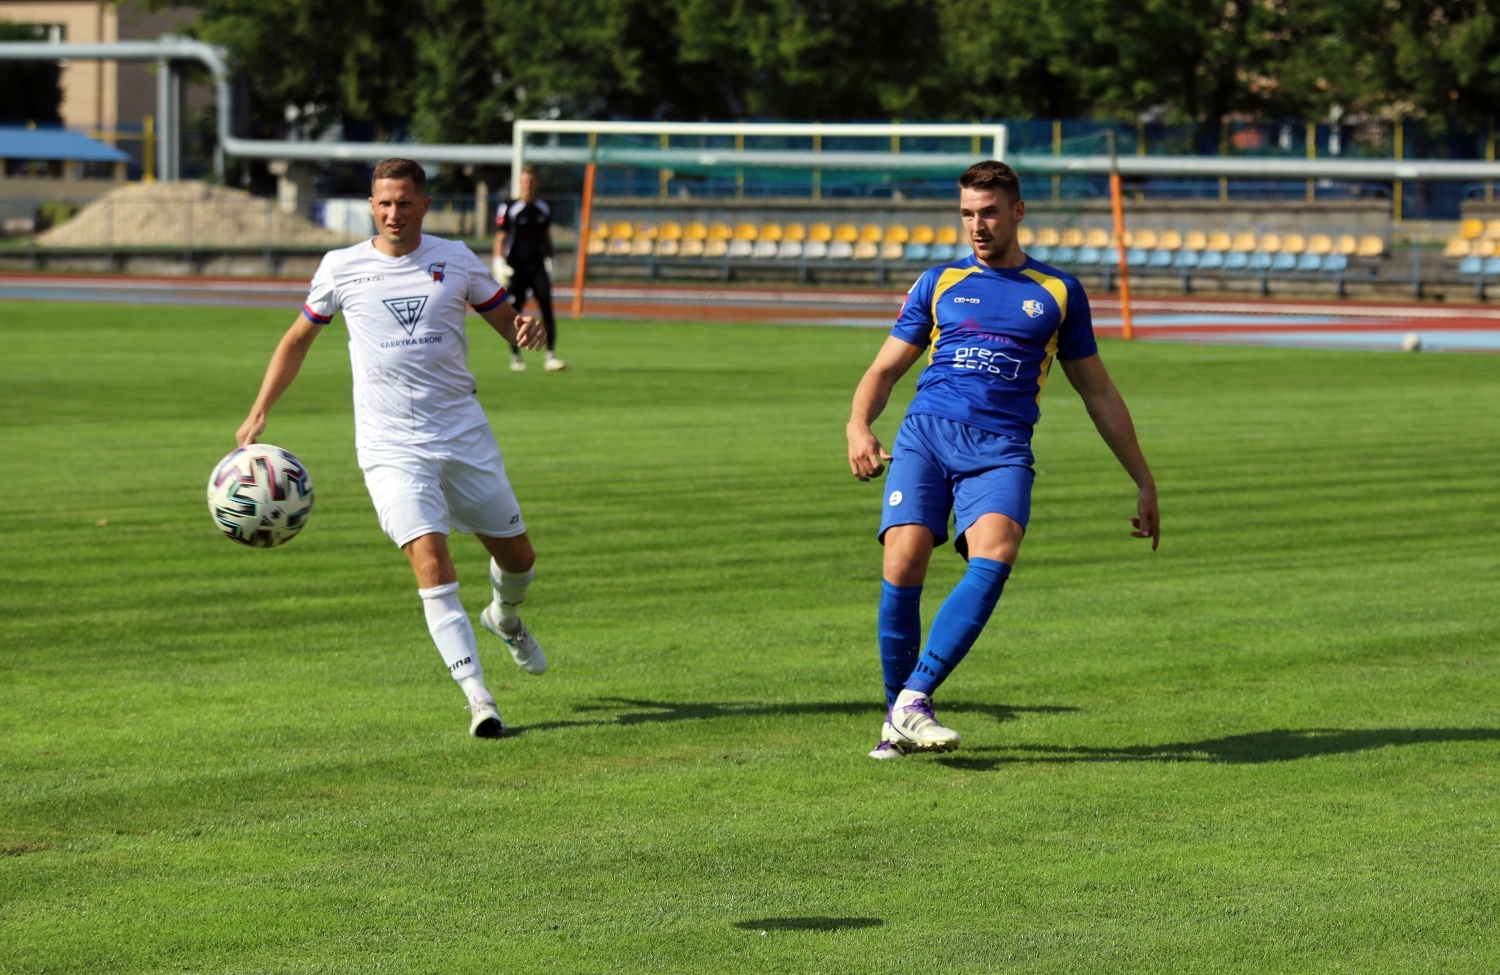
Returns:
(809,923)
(1252,748)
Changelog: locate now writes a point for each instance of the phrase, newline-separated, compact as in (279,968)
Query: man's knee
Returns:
(513,554)
(908,549)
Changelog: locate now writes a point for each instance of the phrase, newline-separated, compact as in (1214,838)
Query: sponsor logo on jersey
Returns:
(365,280)
(1032,307)
(436,270)
(895,498)
(961,300)
(406,310)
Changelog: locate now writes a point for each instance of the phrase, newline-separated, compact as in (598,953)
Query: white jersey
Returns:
(407,342)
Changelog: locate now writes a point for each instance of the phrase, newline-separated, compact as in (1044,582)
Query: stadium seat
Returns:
(897,234)
(770,231)
(1110,256)
(1144,240)
(815,250)
(1169,240)
(740,247)
(1492,266)
(1284,262)
(1492,228)
(1346,244)
(1370,246)
(942,253)
(600,230)
(720,231)
(915,252)
(820,232)
(1236,260)
(870,234)
(1072,237)
(1185,260)
(1160,258)
(1088,255)
(1195,240)
(1211,261)
(1025,236)
(621,229)
(1309,262)
(765,248)
(1040,252)
(1293,244)
(1065,254)
(598,245)
(1137,256)
(716,247)
(691,247)
(645,240)
(865,250)
(846,233)
(1270,243)
(1459,247)
(669,240)
(1470,265)
(1218,241)
(794,232)
(892,250)
(1471,229)
(745,231)
(695,231)
(1243,243)
(922,234)
(1334,263)
(1320,244)
(789,249)
(619,245)
(1260,261)
(946,235)
(1048,237)
(840,250)
(1096,238)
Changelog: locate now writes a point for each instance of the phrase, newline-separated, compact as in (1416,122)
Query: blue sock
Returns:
(958,623)
(900,635)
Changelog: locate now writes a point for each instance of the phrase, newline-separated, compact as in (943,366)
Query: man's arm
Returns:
(286,361)
(866,456)
(521,330)
(1112,419)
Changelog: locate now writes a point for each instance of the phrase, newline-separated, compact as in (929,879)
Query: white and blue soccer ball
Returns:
(260,495)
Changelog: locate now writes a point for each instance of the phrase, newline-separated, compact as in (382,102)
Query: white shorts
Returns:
(423,488)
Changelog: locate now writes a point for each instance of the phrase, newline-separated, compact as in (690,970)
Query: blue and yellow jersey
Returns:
(993,335)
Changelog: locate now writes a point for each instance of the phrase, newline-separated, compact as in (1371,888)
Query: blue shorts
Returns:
(940,465)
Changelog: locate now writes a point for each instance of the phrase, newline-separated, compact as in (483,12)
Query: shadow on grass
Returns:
(809,923)
(640,711)
(1256,747)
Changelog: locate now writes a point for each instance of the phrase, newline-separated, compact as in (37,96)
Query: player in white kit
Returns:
(424,443)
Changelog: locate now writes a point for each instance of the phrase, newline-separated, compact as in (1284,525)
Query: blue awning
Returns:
(19,142)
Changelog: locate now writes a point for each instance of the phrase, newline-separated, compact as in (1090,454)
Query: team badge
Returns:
(436,270)
(1031,307)
(895,498)
(407,310)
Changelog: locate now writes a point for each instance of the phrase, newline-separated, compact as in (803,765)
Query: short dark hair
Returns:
(398,168)
(532,170)
(992,174)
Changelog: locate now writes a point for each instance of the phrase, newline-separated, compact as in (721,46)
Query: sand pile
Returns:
(186,214)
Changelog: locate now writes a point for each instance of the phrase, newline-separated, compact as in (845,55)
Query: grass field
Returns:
(1270,747)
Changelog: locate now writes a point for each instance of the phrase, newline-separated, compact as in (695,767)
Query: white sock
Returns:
(907,698)
(510,593)
(452,632)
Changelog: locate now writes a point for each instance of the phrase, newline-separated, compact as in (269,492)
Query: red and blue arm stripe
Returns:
(494,302)
(315,318)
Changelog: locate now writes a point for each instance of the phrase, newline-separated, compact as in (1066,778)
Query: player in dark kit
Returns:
(991,324)
(523,260)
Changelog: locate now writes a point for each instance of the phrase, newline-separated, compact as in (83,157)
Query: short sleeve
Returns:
(484,294)
(322,296)
(914,324)
(1075,337)
(502,216)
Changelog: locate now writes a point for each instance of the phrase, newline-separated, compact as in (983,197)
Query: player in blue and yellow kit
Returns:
(991,324)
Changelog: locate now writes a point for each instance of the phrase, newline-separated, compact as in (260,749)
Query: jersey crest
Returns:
(436,270)
(406,310)
(1032,307)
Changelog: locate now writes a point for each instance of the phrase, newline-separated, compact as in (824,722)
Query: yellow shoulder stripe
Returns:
(946,280)
(1055,288)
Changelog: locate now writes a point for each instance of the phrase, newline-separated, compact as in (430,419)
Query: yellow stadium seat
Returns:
(946,235)
(691,247)
(1195,240)
(1145,239)
(1218,240)
(621,231)
(716,247)
(1024,236)
(1096,237)
(1169,240)
(866,250)
(1492,228)
(870,234)
(598,245)
(1293,244)
(1458,247)
(668,246)
(1485,247)
(619,245)
(1370,246)
(794,232)
(820,232)
(897,234)
(1320,244)
(744,231)
(892,250)
(646,230)
(1270,243)
(670,231)
(1471,229)
(599,230)
(1347,245)
(720,231)
(1072,237)
(1243,243)
(1047,237)
(846,232)
(695,231)
(770,231)
(922,234)
(642,247)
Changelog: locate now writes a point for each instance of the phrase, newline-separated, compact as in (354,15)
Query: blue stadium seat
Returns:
(1211,260)
(1309,262)
(1160,258)
(1471,265)
(941,253)
(1335,262)
(1492,266)
(1137,257)
(1041,252)
(1260,261)
(1065,255)
(1088,255)
(1284,262)
(915,252)
(1236,261)
(1110,256)
(1186,260)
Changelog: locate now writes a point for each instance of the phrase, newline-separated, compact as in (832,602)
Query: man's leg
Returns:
(543,283)
(437,583)
(908,550)
(520,284)
(512,567)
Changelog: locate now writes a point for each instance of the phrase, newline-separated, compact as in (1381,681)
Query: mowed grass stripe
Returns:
(1267,747)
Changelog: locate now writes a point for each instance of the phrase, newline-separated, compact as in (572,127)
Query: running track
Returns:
(1306,324)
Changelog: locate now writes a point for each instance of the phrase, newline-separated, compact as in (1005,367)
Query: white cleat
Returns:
(517,364)
(890,744)
(554,364)
(487,722)
(917,727)
(524,649)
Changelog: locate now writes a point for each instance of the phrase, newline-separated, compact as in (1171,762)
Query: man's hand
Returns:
(250,431)
(502,270)
(1148,517)
(866,456)
(530,332)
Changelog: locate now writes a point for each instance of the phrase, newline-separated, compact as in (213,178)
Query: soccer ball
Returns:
(260,495)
